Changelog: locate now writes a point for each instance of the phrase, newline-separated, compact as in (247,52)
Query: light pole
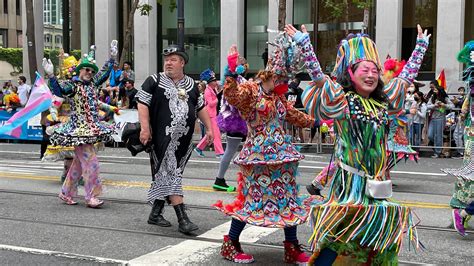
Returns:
(181,24)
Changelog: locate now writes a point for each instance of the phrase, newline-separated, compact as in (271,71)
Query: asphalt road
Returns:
(36,228)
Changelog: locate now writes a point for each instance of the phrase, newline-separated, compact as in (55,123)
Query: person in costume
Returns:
(462,200)
(267,193)
(358,219)
(84,128)
(168,105)
(211,100)
(231,122)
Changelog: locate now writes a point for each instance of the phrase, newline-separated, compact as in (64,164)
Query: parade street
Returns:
(37,228)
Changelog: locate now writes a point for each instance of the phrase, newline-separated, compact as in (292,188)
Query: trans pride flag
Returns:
(39,101)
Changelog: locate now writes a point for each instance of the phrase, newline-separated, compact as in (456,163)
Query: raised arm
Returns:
(311,62)
(101,76)
(63,89)
(396,89)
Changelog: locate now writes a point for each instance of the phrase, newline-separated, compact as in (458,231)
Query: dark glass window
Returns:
(256,33)
(18,7)
(5,6)
(469,21)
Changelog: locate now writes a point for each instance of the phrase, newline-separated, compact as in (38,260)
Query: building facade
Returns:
(10,24)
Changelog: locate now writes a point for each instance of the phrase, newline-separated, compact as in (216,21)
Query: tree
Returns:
(128,32)
(281,14)
(30,38)
(339,8)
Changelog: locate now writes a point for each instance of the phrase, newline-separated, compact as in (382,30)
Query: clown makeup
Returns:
(365,77)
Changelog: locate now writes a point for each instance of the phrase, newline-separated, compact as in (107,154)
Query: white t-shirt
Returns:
(23,93)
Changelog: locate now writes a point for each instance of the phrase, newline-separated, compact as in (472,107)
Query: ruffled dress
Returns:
(84,125)
(267,189)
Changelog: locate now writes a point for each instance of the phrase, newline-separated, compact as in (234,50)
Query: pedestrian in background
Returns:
(23,90)
(418,111)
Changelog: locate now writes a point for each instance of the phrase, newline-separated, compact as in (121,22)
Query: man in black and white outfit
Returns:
(168,105)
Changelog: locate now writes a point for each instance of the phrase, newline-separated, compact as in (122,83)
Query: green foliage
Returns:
(144,9)
(172,5)
(338,7)
(14,56)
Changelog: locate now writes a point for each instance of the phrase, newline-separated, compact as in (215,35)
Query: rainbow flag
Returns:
(442,79)
(39,101)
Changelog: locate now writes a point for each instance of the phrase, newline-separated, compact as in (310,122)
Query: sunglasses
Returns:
(89,70)
(168,51)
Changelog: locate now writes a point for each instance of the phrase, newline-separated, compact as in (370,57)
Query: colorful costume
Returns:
(463,195)
(267,189)
(354,220)
(83,129)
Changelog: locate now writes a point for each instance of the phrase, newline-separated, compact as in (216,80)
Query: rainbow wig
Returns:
(354,49)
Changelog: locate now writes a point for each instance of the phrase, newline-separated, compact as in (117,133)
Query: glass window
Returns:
(19,37)
(201,33)
(58,39)
(469,21)
(5,6)
(3,38)
(333,26)
(256,33)
(423,12)
(18,8)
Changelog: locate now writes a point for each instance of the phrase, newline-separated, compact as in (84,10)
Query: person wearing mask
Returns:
(458,133)
(438,105)
(23,90)
(418,111)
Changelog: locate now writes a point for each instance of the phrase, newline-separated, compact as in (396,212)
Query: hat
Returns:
(464,54)
(286,58)
(208,76)
(392,68)
(88,60)
(174,49)
(354,49)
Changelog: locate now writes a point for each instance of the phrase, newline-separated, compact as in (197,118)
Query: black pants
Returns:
(44,142)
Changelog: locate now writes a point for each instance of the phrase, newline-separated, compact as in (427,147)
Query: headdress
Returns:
(88,60)
(286,57)
(175,49)
(208,76)
(354,49)
(392,68)
(464,56)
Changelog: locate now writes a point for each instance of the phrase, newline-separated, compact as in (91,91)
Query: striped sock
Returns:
(290,234)
(236,228)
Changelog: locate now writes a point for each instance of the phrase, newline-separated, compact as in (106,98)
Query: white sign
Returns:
(120,121)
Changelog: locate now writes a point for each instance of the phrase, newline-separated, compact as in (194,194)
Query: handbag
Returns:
(378,189)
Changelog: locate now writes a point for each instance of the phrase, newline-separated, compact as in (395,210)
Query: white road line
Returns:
(196,251)
(61,254)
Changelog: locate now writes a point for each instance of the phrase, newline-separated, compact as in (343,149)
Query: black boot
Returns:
(155,214)
(185,225)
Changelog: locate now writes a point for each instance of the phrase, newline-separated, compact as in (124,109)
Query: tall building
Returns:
(53,24)
(10,23)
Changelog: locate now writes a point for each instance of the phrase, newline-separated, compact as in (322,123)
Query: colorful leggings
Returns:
(85,164)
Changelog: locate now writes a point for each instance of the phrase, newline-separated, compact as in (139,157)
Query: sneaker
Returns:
(458,221)
(68,200)
(199,152)
(435,156)
(94,203)
(221,185)
(219,156)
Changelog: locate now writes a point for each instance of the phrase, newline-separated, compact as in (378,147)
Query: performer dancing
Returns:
(84,128)
(267,190)
(462,201)
(230,121)
(357,218)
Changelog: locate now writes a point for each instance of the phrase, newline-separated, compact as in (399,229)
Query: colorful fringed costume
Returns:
(464,186)
(350,222)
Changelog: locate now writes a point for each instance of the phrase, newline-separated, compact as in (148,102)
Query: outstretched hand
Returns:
(48,67)
(423,35)
(291,30)
(114,48)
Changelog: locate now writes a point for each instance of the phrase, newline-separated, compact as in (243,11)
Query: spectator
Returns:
(127,72)
(418,111)
(11,100)
(115,77)
(265,58)
(23,90)
(437,104)
(294,94)
(458,133)
(130,92)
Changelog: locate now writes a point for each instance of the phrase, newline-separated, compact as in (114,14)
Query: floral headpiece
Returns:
(392,68)
(286,58)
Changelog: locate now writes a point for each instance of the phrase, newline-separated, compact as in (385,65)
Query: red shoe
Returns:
(231,250)
(294,254)
(94,203)
(68,200)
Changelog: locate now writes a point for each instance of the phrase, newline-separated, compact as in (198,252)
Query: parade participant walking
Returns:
(84,128)
(231,122)
(267,190)
(168,104)
(210,98)
(462,201)
(358,218)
